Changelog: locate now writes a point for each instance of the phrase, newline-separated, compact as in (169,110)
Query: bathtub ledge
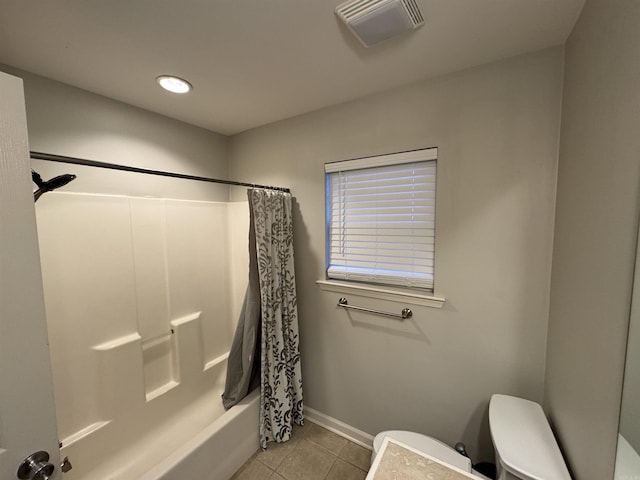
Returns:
(85,432)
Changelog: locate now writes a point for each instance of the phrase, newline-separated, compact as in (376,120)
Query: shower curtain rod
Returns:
(112,166)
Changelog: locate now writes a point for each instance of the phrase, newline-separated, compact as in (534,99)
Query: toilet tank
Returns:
(525,446)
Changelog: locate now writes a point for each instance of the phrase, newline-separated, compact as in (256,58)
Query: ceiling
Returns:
(253,62)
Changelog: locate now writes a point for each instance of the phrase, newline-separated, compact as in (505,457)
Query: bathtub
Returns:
(200,442)
(218,450)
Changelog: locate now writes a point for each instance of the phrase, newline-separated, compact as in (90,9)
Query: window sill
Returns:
(381,293)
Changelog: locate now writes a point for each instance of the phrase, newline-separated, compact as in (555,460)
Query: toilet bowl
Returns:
(524,443)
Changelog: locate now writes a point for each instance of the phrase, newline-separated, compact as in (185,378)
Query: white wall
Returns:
(65,120)
(496,128)
(595,234)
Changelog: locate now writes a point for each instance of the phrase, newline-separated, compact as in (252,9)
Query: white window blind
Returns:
(381,219)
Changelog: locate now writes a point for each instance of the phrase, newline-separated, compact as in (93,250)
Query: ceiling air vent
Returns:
(374,21)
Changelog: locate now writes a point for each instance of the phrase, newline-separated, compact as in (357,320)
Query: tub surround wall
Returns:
(595,234)
(237,238)
(138,294)
(496,128)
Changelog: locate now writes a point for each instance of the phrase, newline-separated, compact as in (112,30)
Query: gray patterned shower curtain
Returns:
(269,318)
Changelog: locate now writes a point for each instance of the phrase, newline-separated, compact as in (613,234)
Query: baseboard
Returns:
(340,428)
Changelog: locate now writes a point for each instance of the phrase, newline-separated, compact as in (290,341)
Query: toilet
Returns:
(524,443)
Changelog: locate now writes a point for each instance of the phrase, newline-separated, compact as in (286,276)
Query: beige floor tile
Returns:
(356,455)
(306,462)
(299,431)
(325,438)
(342,470)
(254,470)
(313,453)
(276,453)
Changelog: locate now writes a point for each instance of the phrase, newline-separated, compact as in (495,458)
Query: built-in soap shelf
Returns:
(161,390)
(132,370)
(80,434)
(117,343)
(159,365)
(216,361)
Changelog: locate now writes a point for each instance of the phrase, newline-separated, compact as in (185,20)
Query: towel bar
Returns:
(406,312)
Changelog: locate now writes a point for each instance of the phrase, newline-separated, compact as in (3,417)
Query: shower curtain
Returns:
(268,324)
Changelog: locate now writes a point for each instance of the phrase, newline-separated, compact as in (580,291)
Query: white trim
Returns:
(382,293)
(216,361)
(82,433)
(117,342)
(339,428)
(383,160)
(158,392)
(192,317)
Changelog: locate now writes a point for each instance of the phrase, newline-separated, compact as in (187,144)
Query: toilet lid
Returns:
(428,445)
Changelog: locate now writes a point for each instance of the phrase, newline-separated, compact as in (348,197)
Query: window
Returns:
(381,219)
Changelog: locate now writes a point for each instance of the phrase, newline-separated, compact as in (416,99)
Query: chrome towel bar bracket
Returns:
(404,314)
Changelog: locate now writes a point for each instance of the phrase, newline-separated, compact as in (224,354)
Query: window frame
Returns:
(423,296)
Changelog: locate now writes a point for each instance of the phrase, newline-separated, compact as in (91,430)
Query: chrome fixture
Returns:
(65,466)
(36,467)
(403,315)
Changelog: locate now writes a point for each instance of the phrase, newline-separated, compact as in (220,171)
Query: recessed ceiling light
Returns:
(173,84)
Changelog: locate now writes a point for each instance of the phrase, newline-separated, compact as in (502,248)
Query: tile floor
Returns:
(313,453)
